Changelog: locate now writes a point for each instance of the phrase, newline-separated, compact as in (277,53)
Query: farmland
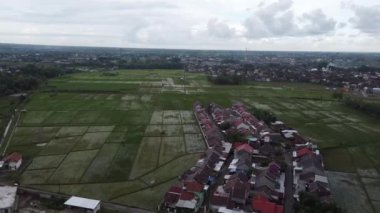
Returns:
(125,138)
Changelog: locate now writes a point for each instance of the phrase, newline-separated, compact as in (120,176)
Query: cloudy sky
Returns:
(311,25)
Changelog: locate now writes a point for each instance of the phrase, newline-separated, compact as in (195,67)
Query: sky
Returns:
(276,25)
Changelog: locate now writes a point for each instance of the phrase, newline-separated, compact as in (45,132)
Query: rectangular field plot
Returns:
(129,97)
(110,117)
(331,117)
(191,129)
(171,147)
(156,117)
(100,128)
(132,105)
(28,135)
(348,192)
(146,98)
(35,117)
(86,117)
(187,117)
(372,186)
(122,162)
(103,191)
(172,130)
(194,143)
(315,115)
(68,131)
(372,151)
(171,117)
(92,141)
(360,158)
(59,146)
(163,130)
(36,134)
(73,167)
(39,176)
(117,137)
(147,198)
(46,162)
(36,130)
(154,131)
(97,170)
(260,105)
(147,156)
(136,117)
(171,169)
(61,117)
(338,160)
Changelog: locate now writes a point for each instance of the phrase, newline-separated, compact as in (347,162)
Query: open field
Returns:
(6,103)
(125,138)
(349,192)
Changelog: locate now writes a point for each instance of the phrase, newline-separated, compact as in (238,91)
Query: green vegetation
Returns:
(311,204)
(370,107)
(126,137)
(29,77)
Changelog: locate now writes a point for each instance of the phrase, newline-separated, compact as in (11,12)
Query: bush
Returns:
(368,107)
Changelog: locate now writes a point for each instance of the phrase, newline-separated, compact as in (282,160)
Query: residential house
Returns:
(263,205)
(12,161)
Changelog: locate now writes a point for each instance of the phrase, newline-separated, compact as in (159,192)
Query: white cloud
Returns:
(366,19)
(279,20)
(220,29)
(196,24)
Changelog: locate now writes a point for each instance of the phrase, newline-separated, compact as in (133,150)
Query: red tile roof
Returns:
(262,204)
(219,199)
(171,199)
(172,196)
(193,186)
(237,144)
(245,147)
(187,196)
(14,157)
(175,189)
(304,151)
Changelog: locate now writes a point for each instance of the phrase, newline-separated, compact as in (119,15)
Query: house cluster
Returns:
(308,173)
(12,161)
(254,181)
(196,182)
(308,169)
(243,169)
(359,73)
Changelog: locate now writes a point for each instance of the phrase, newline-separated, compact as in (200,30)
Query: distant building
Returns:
(7,198)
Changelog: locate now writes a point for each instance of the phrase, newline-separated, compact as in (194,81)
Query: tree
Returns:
(337,95)
(310,203)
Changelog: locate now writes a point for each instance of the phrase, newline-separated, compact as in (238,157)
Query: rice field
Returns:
(126,138)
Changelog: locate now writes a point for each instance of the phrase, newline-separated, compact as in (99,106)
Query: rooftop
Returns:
(82,202)
(7,196)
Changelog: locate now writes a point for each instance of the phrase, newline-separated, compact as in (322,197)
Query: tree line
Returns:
(28,77)
(366,106)
(222,79)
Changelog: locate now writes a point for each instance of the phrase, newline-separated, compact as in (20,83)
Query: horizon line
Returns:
(191,49)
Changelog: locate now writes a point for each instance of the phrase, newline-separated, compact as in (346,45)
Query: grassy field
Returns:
(6,103)
(125,138)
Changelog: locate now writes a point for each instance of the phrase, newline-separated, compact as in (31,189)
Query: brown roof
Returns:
(14,157)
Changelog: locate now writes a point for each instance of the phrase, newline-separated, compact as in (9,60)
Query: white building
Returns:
(90,205)
(7,198)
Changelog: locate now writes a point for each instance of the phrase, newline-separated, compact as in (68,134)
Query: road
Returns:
(107,205)
(289,200)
